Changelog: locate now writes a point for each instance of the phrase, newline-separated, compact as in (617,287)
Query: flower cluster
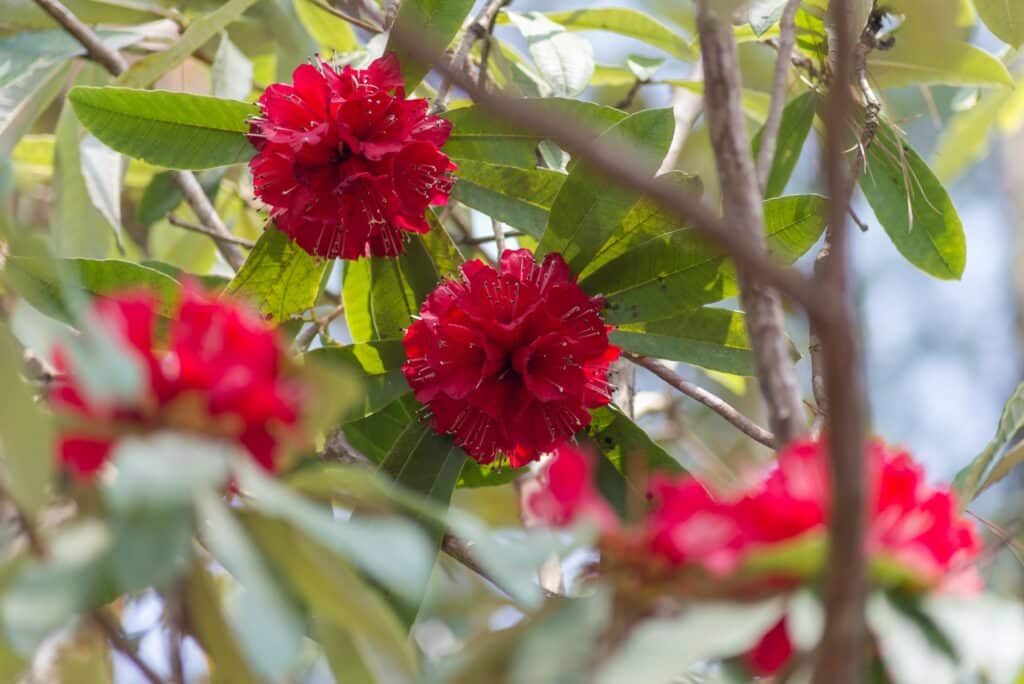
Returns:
(221,373)
(346,162)
(510,359)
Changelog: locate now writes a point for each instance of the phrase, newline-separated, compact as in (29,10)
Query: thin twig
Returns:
(365,25)
(741,196)
(618,164)
(478,28)
(780,86)
(841,653)
(627,101)
(308,334)
(484,239)
(175,220)
(115,63)
(391,8)
(712,401)
(112,631)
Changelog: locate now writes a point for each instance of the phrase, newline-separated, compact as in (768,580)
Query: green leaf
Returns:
(206,622)
(102,170)
(797,117)
(923,60)
(566,61)
(19,110)
(338,595)
(516,196)
(278,277)
(480,136)
(144,72)
(26,434)
(626,22)
(330,32)
(437,21)
(678,271)
(587,210)
(38,281)
(763,14)
(265,621)
(378,364)
(162,195)
(914,207)
(355,295)
(425,461)
(283,32)
(1004,18)
(755,103)
(175,130)
(715,339)
(231,71)
(1000,456)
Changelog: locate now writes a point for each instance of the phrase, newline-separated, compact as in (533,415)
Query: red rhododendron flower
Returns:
(771,653)
(567,492)
(510,359)
(221,373)
(346,162)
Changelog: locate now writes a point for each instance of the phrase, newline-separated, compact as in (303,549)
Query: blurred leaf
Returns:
(39,281)
(662,648)
(425,461)
(103,173)
(797,117)
(26,434)
(151,547)
(518,197)
(176,130)
(491,475)
(268,626)
(985,654)
(378,364)
(355,295)
(644,68)
(437,21)
(678,271)
(480,136)
(1000,456)
(626,22)
(45,594)
(291,44)
(566,61)
(162,195)
(340,650)
(144,72)
(85,657)
(278,277)
(715,339)
(763,14)
(374,435)
(228,665)
(755,103)
(330,32)
(340,597)
(587,211)
(1004,18)
(922,59)
(27,14)
(231,71)
(914,207)
(908,652)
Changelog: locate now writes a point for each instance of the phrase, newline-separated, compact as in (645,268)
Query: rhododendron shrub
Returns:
(214,369)
(510,358)
(347,164)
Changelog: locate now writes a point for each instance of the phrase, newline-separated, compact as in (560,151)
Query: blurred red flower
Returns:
(220,374)
(510,359)
(346,162)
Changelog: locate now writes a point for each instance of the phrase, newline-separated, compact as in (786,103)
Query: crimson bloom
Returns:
(221,374)
(510,359)
(346,162)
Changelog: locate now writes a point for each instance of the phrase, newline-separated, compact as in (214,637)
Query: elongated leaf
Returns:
(1004,18)
(38,281)
(437,21)
(677,271)
(26,434)
(424,461)
(337,594)
(330,32)
(1000,455)
(626,22)
(103,173)
(144,72)
(480,136)
(587,211)
(797,117)
(378,364)
(231,71)
(176,130)
(279,277)
(711,338)
(19,113)
(518,197)
(914,207)
(210,628)
(566,61)
(924,61)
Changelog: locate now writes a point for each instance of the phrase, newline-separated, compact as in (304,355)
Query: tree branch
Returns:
(112,631)
(617,163)
(712,401)
(174,220)
(334,11)
(115,63)
(741,196)
(479,28)
(307,335)
(841,653)
(780,85)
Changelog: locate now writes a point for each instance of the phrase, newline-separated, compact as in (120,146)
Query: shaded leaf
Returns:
(231,71)
(330,32)
(1002,453)
(103,172)
(1004,18)
(208,625)
(436,20)
(378,364)
(564,60)
(926,60)
(797,117)
(518,197)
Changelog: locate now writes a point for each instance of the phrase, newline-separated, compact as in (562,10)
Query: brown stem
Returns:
(712,401)
(307,335)
(174,220)
(112,631)
(479,28)
(741,196)
(365,25)
(780,83)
